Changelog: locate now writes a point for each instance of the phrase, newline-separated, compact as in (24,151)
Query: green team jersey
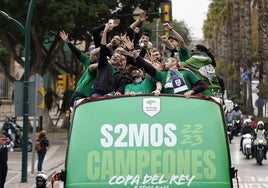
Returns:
(85,84)
(201,65)
(184,54)
(188,77)
(147,85)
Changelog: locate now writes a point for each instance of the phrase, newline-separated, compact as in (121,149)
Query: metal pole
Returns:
(149,13)
(34,127)
(16,22)
(26,93)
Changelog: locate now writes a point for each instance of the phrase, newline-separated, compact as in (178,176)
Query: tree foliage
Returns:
(49,17)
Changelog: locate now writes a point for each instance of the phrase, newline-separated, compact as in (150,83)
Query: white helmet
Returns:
(248,121)
(41,176)
(260,123)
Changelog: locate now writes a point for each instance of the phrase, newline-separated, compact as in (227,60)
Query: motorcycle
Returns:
(236,127)
(260,143)
(17,137)
(247,145)
(18,141)
(230,133)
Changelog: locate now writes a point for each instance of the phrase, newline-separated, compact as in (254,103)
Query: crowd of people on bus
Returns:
(129,64)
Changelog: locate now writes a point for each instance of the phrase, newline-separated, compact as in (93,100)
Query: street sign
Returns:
(18,98)
(35,100)
(259,103)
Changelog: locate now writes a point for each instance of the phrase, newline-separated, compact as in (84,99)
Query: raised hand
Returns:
(166,25)
(128,43)
(108,27)
(64,36)
(116,22)
(163,38)
(143,16)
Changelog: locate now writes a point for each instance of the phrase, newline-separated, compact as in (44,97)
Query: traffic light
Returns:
(166,11)
(41,101)
(62,81)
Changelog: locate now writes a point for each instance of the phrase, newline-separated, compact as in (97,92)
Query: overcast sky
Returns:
(193,13)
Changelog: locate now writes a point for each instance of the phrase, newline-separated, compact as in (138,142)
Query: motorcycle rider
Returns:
(16,129)
(8,129)
(13,119)
(236,116)
(236,113)
(41,180)
(246,129)
(260,130)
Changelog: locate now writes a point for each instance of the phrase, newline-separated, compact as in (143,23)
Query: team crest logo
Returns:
(151,106)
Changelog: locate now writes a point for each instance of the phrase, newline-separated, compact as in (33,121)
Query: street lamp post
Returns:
(17,23)
(26,32)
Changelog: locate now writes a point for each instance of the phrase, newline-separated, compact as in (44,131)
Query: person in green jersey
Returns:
(141,83)
(85,84)
(203,64)
(175,80)
(175,44)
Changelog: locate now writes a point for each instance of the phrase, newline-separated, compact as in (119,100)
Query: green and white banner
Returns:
(148,142)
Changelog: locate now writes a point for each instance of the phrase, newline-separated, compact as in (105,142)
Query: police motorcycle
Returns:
(260,143)
(236,119)
(246,143)
(236,126)
(14,131)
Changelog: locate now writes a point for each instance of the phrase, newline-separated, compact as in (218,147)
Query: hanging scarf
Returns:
(176,81)
(208,71)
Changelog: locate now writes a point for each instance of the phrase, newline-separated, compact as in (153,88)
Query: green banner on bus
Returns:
(148,142)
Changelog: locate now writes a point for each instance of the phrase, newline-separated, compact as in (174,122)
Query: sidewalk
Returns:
(54,162)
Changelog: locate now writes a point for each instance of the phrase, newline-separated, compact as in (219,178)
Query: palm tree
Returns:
(245,33)
(262,6)
(236,45)
(222,28)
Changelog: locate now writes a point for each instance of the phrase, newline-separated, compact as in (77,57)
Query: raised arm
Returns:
(97,30)
(75,51)
(176,35)
(140,62)
(142,18)
(133,30)
(108,27)
(165,40)
(103,47)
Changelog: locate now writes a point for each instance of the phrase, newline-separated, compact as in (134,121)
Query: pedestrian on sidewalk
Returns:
(41,148)
(5,146)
